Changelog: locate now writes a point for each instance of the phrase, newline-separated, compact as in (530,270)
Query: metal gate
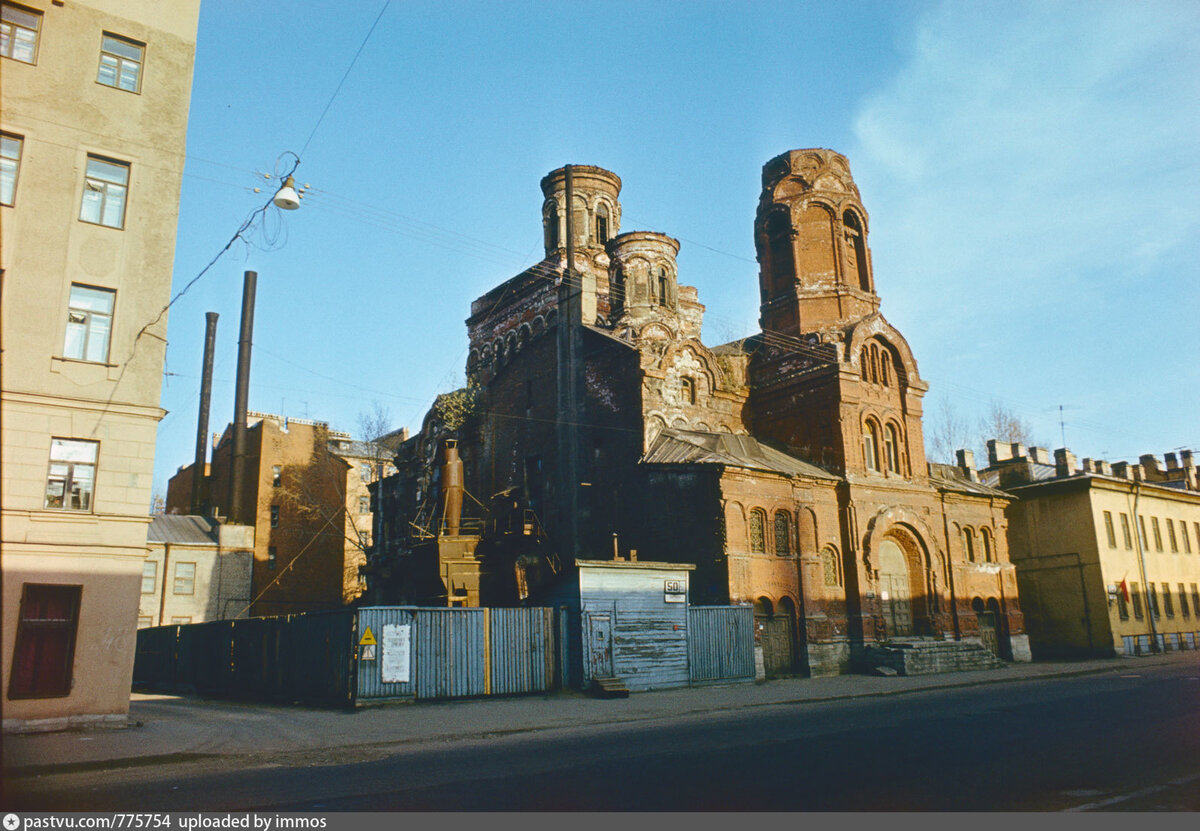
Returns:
(720,644)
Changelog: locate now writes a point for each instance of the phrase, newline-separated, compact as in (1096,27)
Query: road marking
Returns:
(1104,803)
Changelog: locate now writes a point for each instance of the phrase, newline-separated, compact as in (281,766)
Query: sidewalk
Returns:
(170,729)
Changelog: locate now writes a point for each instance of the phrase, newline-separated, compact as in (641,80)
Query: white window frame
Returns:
(89,324)
(73,462)
(105,192)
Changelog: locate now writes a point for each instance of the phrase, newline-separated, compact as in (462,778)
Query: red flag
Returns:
(1124,590)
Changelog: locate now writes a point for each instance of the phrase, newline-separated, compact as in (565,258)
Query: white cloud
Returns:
(1037,170)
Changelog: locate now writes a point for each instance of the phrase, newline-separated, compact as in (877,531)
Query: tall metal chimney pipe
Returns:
(452,489)
(199,474)
(241,401)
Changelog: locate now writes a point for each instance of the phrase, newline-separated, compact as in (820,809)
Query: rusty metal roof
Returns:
(950,477)
(678,447)
(180,528)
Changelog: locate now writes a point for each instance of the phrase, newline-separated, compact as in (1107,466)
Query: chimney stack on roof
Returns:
(966,463)
(1040,455)
(998,452)
(1064,462)
(1089,466)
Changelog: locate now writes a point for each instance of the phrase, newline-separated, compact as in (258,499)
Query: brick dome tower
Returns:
(597,216)
(810,234)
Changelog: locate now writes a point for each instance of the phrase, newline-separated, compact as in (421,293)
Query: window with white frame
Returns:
(105,188)
(185,578)
(72,476)
(149,577)
(19,31)
(89,323)
(121,62)
(10,164)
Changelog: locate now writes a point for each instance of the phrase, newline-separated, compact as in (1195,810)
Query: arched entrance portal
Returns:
(895,594)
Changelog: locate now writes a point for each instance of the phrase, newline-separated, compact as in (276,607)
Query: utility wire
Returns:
(344,77)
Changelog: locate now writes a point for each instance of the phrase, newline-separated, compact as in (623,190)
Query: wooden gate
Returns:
(776,638)
(894,592)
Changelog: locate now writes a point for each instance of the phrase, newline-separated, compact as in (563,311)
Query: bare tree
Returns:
(1004,425)
(946,432)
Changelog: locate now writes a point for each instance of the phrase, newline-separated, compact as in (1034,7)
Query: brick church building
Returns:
(789,466)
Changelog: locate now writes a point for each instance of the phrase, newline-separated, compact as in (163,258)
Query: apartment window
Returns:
(89,323)
(72,475)
(180,620)
(1122,605)
(1110,530)
(276,476)
(185,578)
(121,62)
(19,30)
(758,522)
(104,190)
(1171,536)
(44,651)
(1196,525)
(1142,533)
(1195,600)
(149,577)
(1168,601)
(783,536)
(364,504)
(366,473)
(1187,542)
(1125,532)
(1153,600)
(274,516)
(1157,533)
(10,163)
(272,552)
(145,622)
(1183,604)
(1135,593)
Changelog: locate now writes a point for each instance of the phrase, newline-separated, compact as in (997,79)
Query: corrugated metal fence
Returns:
(720,644)
(427,653)
(339,658)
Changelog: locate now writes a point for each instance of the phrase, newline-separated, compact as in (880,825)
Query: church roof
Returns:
(950,477)
(678,447)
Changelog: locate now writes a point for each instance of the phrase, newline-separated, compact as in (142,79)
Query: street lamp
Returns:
(286,197)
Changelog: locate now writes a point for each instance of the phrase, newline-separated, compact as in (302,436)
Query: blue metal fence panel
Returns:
(520,650)
(371,685)
(450,653)
(720,644)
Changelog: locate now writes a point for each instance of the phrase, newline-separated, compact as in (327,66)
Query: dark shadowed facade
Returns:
(789,467)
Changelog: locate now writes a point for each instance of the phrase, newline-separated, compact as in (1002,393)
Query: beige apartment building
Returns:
(198,570)
(1107,555)
(93,111)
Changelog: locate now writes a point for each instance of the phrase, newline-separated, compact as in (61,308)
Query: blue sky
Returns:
(1030,170)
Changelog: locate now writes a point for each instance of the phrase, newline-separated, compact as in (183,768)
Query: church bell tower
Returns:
(810,234)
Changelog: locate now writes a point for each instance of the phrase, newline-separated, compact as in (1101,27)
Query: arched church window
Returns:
(985,539)
(602,224)
(779,247)
(552,227)
(870,446)
(865,360)
(891,448)
(874,364)
(783,535)
(687,390)
(969,544)
(758,522)
(856,250)
(885,367)
(829,564)
(663,288)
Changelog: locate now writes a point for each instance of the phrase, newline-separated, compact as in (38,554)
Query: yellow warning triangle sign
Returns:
(367,639)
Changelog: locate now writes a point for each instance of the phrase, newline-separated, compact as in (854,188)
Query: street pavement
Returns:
(171,729)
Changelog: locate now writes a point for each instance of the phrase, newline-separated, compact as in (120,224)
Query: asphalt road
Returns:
(1121,741)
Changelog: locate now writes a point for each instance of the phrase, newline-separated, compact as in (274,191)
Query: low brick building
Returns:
(789,466)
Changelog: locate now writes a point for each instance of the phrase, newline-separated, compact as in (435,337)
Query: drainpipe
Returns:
(1137,535)
(162,601)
